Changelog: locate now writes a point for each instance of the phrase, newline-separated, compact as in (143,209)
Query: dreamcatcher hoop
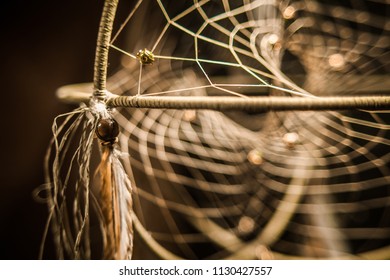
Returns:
(100,96)
(76,94)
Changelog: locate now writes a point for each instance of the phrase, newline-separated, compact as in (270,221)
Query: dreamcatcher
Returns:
(267,172)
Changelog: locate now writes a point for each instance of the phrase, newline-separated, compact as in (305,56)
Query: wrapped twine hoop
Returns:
(73,95)
(210,156)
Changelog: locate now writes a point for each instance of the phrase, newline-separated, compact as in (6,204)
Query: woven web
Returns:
(210,184)
(308,184)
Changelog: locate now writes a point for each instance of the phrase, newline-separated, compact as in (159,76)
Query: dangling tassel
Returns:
(116,199)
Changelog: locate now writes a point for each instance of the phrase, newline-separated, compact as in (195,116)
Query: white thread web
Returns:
(244,185)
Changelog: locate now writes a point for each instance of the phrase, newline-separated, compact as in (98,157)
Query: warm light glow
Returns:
(273,39)
(246,225)
(255,157)
(291,139)
(189,115)
(336,61)
(289,12)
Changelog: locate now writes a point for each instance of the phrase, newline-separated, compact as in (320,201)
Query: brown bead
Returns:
(107,130)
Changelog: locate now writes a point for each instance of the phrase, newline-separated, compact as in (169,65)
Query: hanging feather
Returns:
(69,186)
(71,195)
(116,200)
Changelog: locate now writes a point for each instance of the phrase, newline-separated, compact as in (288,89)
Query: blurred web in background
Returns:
(254,185)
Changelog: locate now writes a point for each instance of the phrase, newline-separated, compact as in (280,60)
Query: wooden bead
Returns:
(107,130)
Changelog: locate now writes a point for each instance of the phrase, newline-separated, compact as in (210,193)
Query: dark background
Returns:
(45,44)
